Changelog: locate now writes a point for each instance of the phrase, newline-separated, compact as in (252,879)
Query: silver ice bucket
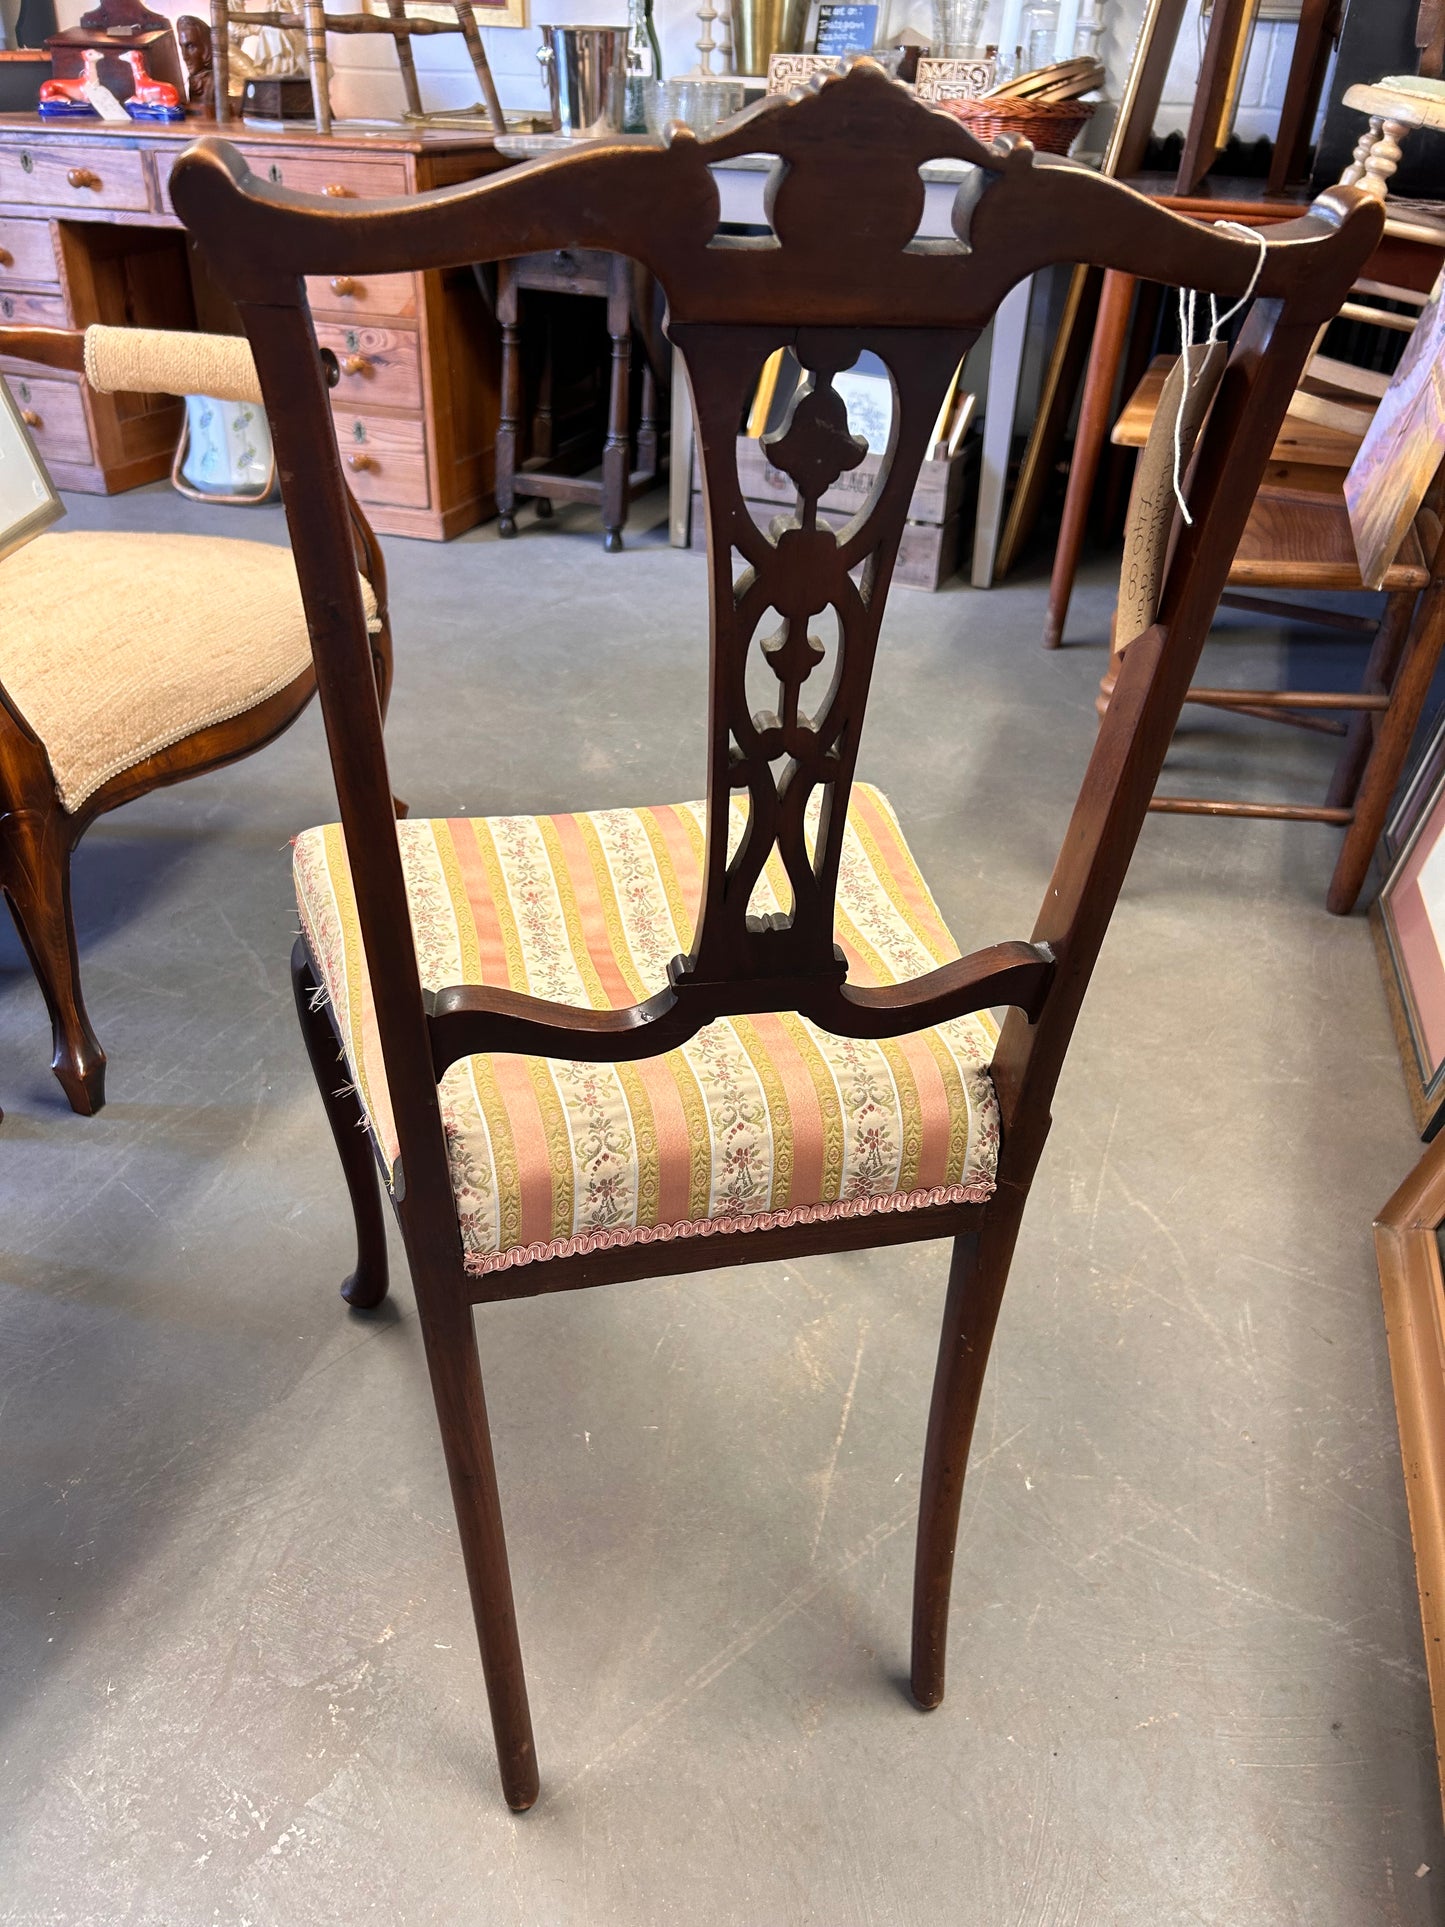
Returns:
(586,70)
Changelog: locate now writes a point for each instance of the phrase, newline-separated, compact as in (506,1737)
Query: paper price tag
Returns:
(104,102)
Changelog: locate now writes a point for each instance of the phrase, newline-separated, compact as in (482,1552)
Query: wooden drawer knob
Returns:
(30,418)
(360,462)
(355,365)
(7,259)
(83,177)
(338,192)
(343,284)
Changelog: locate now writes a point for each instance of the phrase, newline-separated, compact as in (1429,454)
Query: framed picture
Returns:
(28,501)
(490,13)
(1420,783)
(1408,920)
(1409,1236)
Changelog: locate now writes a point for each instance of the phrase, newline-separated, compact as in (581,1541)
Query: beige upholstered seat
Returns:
(115,646)
(757,1122)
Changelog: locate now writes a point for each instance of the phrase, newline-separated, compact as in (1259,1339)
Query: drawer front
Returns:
(565,271)
(379,366)
(384,459)
(55,415)
(371,294)
(58,172)
(26,309)
(347,177)
(27,255)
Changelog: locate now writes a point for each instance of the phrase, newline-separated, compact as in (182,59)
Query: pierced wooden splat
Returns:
(797,570)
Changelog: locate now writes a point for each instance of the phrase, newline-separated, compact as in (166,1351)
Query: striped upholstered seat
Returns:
(756,1122)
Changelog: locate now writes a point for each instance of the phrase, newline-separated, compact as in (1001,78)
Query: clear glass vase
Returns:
(958,28)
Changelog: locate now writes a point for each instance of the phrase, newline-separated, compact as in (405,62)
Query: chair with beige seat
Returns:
(129,661)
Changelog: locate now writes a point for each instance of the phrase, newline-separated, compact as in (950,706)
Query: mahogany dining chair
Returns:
(589,1047)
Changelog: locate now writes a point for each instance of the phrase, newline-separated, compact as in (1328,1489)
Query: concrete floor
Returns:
(238,1681)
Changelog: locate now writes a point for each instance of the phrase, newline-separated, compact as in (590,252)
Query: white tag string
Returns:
(1188,300)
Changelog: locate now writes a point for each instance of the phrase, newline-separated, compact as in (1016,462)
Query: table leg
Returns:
(1005,369)
(679,458)
(617,451)
(510,421)
(1110,330)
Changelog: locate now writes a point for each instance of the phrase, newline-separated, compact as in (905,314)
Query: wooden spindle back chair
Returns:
(310,18)
(770,883)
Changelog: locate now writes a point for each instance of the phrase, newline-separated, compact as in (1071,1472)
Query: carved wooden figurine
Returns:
(193,36)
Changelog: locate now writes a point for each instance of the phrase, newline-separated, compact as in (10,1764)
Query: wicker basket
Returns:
(1051,125)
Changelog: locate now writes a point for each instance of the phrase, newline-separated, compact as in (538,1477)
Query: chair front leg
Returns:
(366,1287)
(456,1376)
(35,850)
(976,1280)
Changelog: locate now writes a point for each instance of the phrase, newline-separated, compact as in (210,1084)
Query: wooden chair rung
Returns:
(1284,812)
(1298,612)
(1288,698)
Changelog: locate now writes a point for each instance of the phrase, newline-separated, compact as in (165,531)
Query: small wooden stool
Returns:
(627,290)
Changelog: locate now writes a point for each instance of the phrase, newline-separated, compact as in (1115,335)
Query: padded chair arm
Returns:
(466,1020)
(166,361)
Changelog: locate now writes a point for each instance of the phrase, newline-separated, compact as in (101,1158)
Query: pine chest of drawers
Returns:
(87,234)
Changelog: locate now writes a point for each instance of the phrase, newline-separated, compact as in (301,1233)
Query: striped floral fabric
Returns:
(756,1122)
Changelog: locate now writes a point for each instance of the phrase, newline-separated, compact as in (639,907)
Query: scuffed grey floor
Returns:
(238,1681)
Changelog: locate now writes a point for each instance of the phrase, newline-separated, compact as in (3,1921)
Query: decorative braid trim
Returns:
(977,1191)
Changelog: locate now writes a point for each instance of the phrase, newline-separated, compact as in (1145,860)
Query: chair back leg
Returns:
(367,1285)
(35,850)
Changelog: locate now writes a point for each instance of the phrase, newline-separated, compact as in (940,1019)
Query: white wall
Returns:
(366,81)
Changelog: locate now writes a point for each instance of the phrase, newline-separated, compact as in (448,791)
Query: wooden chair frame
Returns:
(827,286)
(1329,417)
(311,18)
(38,835)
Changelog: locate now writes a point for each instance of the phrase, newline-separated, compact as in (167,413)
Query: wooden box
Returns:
(929,551)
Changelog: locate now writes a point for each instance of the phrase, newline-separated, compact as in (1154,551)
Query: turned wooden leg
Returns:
(1110,330)
(975,1291)
(366,1287)
(1354,173)
(647,423)
(35,850)
(510,423)
(451,1349)
(616,452)
(1384,158)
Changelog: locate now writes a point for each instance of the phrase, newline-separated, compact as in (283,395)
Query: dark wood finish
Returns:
(612,279)
(367,1285)
(1225,48)
(840,276)
(72,255)
(1412,1283)
(1299,537)
(1106,351)
(38,835)
(1111,328)
(1318,29)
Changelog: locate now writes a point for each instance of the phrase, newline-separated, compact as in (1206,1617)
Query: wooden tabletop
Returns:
(385,137)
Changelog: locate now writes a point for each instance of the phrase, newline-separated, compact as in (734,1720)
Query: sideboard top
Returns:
(369,136)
